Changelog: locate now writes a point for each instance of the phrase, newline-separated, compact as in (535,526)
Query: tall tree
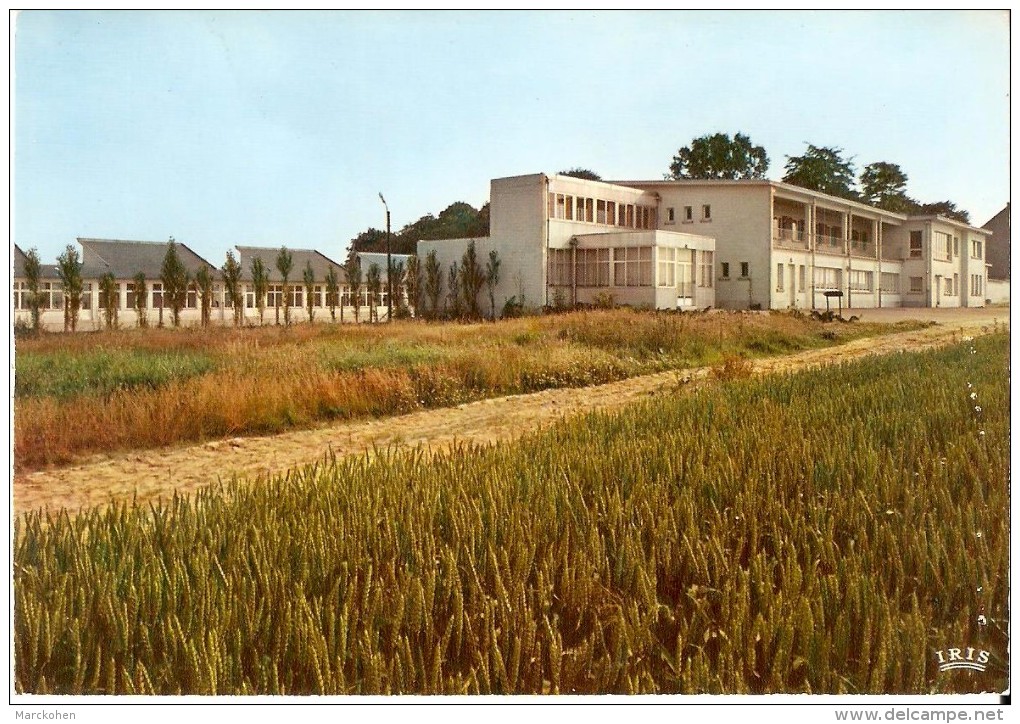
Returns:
(472,279)
(204,284)
(433,282)
(413,281)
(232,286)
(141,292)
(308,277)
(333,293)
(583,173)
(944,208)
(109,298)
(453,290)
(719,157)
(492,279)
(822,169)
(260,287)
(33,278)
(174,276)
(373,280)
(884,185)
(69,271)
(398,286)
(284,265)
(352,273)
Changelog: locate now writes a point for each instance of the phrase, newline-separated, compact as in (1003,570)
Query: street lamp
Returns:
(389,266)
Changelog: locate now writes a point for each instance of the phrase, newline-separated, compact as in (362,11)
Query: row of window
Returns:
(946,248)
(601,211)
(688,214)
(630,267)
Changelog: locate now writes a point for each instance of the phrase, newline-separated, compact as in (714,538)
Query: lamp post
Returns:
(389,266)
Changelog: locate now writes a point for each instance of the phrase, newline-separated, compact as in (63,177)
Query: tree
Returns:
(373,281)
(944,208)
(413,282)
(584,173)
(719,157)
(397,275)
(433,282)
(284,264)
(884,185)
(69,271)
(308,277)
(141,292)
(333,293)
(174,276)
(204,283)
(260,286)
(33,277)
(822,169)
(232,286)
(492,279)
(453,290)
(108,294)
(352,272)
(472,279)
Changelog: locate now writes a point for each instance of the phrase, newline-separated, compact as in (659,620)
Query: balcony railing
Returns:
(789,238)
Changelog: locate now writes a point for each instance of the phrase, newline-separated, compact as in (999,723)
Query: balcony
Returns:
(783,238)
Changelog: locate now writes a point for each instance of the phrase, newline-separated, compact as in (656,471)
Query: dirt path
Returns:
(151,474)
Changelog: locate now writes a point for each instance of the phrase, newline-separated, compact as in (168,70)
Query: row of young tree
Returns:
(821,168)
(455,294)
(423,283)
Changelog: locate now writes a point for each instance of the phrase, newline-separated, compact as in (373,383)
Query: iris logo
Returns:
(963,659)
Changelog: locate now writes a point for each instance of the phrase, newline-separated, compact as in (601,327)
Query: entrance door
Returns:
(685,283)
(938,291)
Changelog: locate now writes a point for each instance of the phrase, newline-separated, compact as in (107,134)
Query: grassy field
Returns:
(821,532)
(130,389)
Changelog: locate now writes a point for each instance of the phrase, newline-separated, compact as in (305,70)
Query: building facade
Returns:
(746,244)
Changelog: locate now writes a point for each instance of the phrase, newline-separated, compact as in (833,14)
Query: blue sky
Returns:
(272,128)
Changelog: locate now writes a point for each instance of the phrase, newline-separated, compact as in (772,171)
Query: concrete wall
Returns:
(998,291)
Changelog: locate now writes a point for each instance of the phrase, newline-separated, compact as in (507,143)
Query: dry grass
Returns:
(129,389)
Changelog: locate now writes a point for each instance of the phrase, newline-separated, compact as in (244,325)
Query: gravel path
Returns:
(152,474)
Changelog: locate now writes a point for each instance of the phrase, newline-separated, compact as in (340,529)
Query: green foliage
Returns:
(453,294)
(69,270)
(413,282)
(174,276)
(884,185)
(822,169)
(492,278)
(582,173)
(141,292)
(944,208)
(65,374)
(333,293)
(472,279)
(720,157)
(284,265)
(353,275)
(457,221)
(33,277)
(308,277)
(204,285)
(260,285)
(433,282)
(735,540)
(373,282)
(231,273)
(109,294)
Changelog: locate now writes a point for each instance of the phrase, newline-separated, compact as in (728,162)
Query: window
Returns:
(956,284)
(861,281)
(745,269)
(943,246)
(274,296)
(779,277)
(890,282)
(611,212)
(632,266)
(592,267)
(132,297)
(915,245)
(706,212)
(670,215)
(157,295)
(948,291)
(667,267)
(688,214)
(916,284)
(705,272)
(115,302)
(828,277)
(976,285)
(975,249)
(956,246)
(191,300)
(725,270)
(802,281)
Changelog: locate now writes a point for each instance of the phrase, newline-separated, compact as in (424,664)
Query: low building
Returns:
(736,244)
